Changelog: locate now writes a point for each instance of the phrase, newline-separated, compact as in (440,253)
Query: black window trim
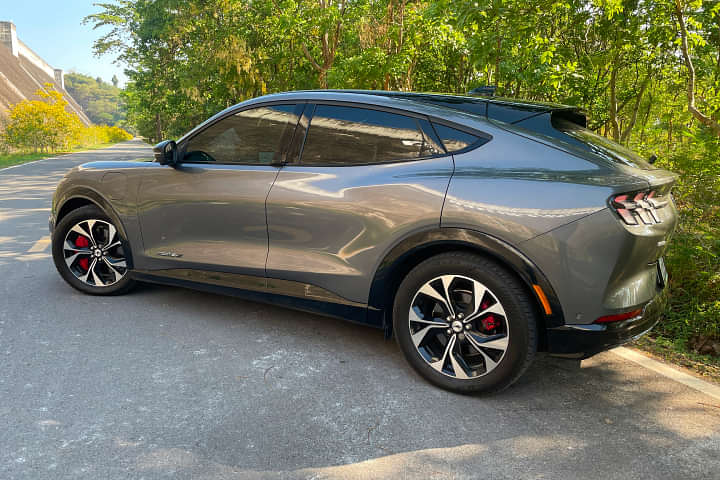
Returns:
(483,137)
(310,112)
(300,104)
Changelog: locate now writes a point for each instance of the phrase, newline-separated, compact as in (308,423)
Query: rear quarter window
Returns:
(456,140)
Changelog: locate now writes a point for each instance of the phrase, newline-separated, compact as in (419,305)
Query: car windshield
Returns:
(606,148)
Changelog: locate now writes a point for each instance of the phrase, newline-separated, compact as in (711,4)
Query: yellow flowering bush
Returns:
(46,125)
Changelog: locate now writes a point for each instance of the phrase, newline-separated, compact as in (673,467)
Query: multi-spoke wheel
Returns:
(89,252)
(94,254)
(458,326)
(465,323)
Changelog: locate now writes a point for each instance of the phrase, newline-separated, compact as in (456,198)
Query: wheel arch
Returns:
(81,197)
(412,250)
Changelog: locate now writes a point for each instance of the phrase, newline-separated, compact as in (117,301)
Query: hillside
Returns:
(100,100)
(23,72)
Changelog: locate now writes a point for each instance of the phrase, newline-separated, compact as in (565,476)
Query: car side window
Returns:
(456,140)
(254,136)
(340,135)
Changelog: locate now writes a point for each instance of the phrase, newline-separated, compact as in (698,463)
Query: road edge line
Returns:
(29,163)
(658,367)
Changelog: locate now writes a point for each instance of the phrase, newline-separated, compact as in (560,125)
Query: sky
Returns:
(54,30)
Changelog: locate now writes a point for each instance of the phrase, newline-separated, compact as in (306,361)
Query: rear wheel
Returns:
(465,323)
(89,253)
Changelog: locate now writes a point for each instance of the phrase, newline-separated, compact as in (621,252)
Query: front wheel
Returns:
(465,323)
(89,253)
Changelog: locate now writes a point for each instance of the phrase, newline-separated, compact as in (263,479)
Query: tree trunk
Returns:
(701,117)
(613,101)
(158,128)
(631,123)
(497,60)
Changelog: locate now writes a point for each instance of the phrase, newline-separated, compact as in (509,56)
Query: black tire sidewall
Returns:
(508,290)
(58,238)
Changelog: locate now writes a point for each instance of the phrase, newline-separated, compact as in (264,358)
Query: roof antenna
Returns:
(486,91)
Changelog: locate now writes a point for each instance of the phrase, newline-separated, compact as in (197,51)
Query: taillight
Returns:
(619,316)
(638,207)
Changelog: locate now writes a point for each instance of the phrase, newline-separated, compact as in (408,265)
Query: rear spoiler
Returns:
(574,115)
(544,123)
(508,110)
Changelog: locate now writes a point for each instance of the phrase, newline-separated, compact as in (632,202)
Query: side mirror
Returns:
(166,152)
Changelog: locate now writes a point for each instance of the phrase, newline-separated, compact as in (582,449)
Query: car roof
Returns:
(531,105)
(469,110)
(502,109)
(370,97)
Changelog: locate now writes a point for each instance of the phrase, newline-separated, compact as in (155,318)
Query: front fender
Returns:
(83,195)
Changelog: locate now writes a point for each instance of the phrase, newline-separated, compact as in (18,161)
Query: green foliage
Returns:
(100,101)
(619,60)
(693,257)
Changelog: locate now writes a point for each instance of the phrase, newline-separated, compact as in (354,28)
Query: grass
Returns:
(8,160)
(705,366)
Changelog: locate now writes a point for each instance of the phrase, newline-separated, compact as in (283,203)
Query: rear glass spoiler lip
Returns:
(573,114)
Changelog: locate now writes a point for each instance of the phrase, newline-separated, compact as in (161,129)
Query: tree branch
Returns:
(315,65)
(702,118)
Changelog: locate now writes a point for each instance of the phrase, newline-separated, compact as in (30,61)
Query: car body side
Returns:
(340,246)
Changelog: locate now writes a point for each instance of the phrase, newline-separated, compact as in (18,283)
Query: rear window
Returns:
(604,147)
(454,139)
(340,135)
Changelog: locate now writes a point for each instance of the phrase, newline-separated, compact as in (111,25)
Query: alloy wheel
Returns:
(94,254)
(458,326)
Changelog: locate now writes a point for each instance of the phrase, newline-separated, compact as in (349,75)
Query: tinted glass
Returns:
(453,139)
(253,136)
(609,150)
(356,136)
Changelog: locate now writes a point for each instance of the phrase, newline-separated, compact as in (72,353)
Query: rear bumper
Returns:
(583,341)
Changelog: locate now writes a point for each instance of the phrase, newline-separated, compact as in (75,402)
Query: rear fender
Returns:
(415,248)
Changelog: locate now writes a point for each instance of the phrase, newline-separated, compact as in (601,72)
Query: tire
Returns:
(508,326)
(109,274)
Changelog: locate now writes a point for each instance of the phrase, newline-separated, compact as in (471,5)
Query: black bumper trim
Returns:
(583,341)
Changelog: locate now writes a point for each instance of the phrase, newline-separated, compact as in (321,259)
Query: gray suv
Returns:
(477,231)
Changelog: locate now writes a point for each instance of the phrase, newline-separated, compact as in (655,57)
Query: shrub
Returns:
(42,124)
(693,257)
(46,125)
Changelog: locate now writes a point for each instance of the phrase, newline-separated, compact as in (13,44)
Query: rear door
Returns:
(209,212)
(360,179)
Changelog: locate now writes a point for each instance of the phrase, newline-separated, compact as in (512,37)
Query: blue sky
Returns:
(54,30)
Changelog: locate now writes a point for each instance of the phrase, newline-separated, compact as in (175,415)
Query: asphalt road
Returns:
(169,383)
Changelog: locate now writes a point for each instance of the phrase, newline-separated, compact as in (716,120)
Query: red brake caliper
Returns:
(489,323)
(82,242)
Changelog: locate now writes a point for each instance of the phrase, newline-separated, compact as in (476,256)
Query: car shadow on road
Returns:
(318,397)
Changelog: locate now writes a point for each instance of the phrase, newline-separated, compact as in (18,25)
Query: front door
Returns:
(208,213)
